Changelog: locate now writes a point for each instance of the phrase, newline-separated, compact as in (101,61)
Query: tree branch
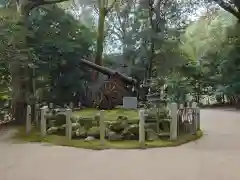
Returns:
(9,2)
(43,2)
(96,9)
(35,3)
(111,6)
(227,7)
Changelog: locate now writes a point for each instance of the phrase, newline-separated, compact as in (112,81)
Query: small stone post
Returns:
(198,118)
(174,122)
(71,105)
(50,105)
(28,120)
(68,124)
(194,120)
(181,106)
(142,127)
(79,104)
(43,121)
(102,127)
(37,115)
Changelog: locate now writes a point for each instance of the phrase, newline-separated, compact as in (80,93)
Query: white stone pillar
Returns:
(43,122)
(142,127)
(194,123)
(181,106)
(50,105)
(68,124)
(37,115)
(28,120)
(174,122)
(102,127)
(198,118)
(71,105)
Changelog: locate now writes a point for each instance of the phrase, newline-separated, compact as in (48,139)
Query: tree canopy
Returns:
(166,43)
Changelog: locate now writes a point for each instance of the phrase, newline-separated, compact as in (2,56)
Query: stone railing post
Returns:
(28,120)
(43,122)
(174,122)
(194,119)
(102,127)
(50,105)
(198,118)
(71,105)
(142,127)
(181,106)
(37,115)
(68,124)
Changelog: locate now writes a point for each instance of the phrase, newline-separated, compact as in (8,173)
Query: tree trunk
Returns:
(152,49)
(19,112)
(19,65)
(19,69)
(100,37)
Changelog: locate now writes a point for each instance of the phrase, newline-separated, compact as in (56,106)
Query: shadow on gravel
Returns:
(231,110)
(222,109)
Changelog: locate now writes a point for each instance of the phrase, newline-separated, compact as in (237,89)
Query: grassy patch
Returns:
(109,115)
(95,145)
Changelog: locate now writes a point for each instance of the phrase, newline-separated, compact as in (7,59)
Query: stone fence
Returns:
(187,116)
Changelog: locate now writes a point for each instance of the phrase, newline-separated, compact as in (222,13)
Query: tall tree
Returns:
(104,6)
(215,49)
(19,66)
(59,42)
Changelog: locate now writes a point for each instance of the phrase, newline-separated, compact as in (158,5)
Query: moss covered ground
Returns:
(35,136)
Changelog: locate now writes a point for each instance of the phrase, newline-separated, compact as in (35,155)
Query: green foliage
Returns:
(207,34)
(109,115)
(213,43)
(56,43)
(194,58)
(59,42)
(35,136)
(13,53)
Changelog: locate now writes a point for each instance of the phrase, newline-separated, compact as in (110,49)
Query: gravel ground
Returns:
(216,156)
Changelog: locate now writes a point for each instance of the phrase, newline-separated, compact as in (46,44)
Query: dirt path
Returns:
(214,157)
